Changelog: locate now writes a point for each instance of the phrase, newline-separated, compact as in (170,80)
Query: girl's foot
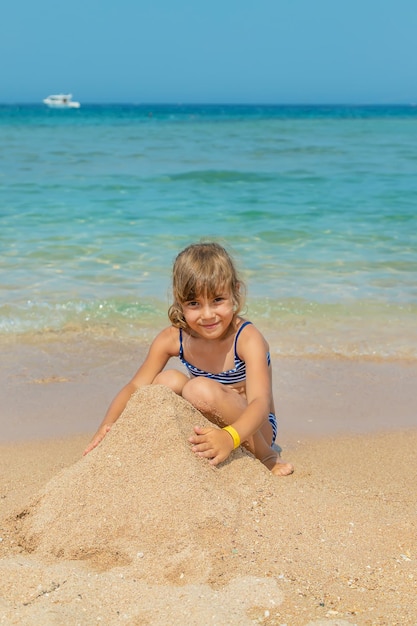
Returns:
(276,466)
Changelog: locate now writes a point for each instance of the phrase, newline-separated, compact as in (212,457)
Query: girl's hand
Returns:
(99,436)
(211,443)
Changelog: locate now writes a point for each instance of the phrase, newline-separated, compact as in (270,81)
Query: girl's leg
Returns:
(260,445)
(173,379)
(223,406)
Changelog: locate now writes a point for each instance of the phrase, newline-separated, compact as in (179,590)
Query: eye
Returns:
(192,304)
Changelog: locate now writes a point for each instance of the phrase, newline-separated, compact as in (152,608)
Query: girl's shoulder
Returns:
(241,323)
(246,327)
(168,340)
(248,335)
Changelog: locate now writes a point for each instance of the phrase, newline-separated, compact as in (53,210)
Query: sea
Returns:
(317,205)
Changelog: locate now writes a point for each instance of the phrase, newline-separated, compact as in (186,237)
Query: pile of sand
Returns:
(143,499)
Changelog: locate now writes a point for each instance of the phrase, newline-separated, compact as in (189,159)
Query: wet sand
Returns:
(63,386)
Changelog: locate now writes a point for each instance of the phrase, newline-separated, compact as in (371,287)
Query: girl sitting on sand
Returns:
(229,373)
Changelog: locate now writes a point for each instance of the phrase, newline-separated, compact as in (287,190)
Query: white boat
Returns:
(61,101)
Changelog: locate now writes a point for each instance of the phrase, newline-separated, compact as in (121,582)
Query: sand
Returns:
(142,532)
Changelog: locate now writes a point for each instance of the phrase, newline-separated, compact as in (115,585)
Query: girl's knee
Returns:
(173,379)
(200,392)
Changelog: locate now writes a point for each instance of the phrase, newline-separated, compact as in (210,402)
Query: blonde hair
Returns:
(203,269)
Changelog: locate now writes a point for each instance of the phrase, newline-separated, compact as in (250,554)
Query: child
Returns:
(229,374)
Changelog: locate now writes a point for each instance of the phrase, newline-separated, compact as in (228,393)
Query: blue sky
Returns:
(172,51)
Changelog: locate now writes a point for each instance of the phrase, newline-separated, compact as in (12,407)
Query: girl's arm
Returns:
(217,444)
(164,346)
(253,350)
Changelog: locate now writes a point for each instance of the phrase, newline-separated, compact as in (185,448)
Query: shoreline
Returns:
(362,329)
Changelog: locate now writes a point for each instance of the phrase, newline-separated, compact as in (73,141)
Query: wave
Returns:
(293,327)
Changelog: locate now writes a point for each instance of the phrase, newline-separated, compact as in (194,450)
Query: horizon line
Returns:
(220,103)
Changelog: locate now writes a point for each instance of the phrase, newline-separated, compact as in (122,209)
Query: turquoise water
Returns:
(317,204)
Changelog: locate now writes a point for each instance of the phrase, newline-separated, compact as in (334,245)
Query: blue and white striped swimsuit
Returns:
(229,377)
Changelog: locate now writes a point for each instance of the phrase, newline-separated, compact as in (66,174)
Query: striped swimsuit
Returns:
(232,376)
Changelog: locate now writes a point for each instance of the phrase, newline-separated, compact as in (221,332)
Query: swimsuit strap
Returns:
(241,327)
(238,360)
(181,348)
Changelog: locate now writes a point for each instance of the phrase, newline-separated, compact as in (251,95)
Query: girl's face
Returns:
(210,316)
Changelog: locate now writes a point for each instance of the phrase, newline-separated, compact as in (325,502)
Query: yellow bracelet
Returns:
(234,435)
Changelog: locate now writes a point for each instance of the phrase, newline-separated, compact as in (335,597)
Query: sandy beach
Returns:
(142,532)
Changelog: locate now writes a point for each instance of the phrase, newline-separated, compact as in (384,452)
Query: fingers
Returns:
(202,446)
(200,435)
(199,430)
(204,450)
(88,449)
(213,457)
(94,443)
(210,443)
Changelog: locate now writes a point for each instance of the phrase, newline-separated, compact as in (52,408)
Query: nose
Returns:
(207,311)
